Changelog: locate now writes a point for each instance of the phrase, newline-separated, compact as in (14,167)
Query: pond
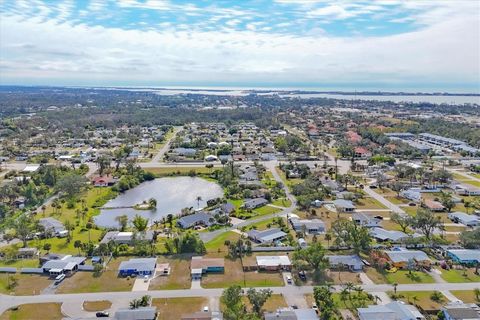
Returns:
(172,195)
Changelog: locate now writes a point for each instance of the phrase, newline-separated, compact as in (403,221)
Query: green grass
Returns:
(50,311)
(218,243)
(403,277)
(458,276)
(422,300)
(467,296)
(266,210)
(20,263)
(282,202)
(237,203)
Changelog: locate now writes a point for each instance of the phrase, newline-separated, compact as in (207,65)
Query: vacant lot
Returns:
(234,274)
(93,306)
(179,277)
(108,281)
(421,299)
(404,277)
(218,243)
(49,311)
(454,275)
(466,296)
(174,308)
(27,284)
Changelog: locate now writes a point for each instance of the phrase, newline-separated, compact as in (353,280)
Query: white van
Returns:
(59,278)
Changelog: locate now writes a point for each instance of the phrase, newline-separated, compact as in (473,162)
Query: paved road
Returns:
(463,174)
(7,302)
(159,156)
(393,207)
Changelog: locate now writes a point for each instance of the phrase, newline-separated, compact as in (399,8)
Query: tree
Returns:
(71,184)
(23,227)
(140,223)
(103,163)
(152,203)
(47,246)
(257,298)
(470,239)
(403,221)
(123,221)
(348,233)
(426,222)
(170,220)
(328,238)
(78,244)
(312,257)
(324,300)
(232,299)
(447,200)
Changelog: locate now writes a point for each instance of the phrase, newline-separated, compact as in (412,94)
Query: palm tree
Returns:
(199,198)
(152,202)
(415,300)
(476,292)
(395,285)
(328,238)
(123,221)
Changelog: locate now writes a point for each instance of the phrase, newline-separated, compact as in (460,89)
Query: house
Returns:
(137,266)
(142,313)
(365,220)
(53,226)
(401,258)
(202,315)
(313,226)
(266,236)
(458,310)
(27,253)
(362,152)
(291,314)
(396,310)
(433,205)
(342,205)
(211,157)
(186,152)
(463,218)
(331,184)
(381,234)
(201,265)
(127,237)
(464,256)
(352,262)
(66,265)
(273,263)
(199,218)
(412,195)
(103,181)
(466,190)
(254,203)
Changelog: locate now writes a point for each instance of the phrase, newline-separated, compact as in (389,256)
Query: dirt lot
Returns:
(179,277)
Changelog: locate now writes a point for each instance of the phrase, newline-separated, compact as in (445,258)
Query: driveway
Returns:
(141,285)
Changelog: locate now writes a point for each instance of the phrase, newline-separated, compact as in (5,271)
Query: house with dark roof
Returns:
(311,226)
(200,218)
(266,236)
(400,257)
(142,313)
(351,262)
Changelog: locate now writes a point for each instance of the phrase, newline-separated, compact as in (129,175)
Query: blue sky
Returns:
(377,44)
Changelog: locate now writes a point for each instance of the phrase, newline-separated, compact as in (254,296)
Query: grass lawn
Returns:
(375,276)
(27,284)
(179,277)
(282,202)
(369,203)
(403,277)
(454,275)
(237,203)
(423,299)
(395,200)
(336,299)
(49,311)
(168,171)
(217,244)
(466,296)
(93,306)
(234,275)
(20,263)
(265,210)
(108,281)
(174,308)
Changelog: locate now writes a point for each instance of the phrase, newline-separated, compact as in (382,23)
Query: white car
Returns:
(145,279)
(205,309)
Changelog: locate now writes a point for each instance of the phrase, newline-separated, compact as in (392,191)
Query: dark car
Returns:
(302,275)
(102,314)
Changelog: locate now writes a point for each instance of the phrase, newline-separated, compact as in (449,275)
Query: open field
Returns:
(27,284)
(266,210)
(403,277)
(466,296)
(282,202)
(234,274)
(421,299)
(179,277)
(108,281)
(369,203)
(174,308)
(20,263)
(455,275)
(49,311)
(99,305)
(218,243)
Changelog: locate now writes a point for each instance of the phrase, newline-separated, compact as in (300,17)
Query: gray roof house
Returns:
(365,220)
(342,205)
(313,226)
(353,262)
(404,255)
(51,225)
(461,311)
(199,218)
(463,218)
(267,236)
(291,314)
(391,311)
(142,313)
(388,235)
(126,237)
(188,152)
(67,264)
(254,203)
(137,266)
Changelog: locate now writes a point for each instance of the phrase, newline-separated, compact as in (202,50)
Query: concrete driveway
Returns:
(140,284)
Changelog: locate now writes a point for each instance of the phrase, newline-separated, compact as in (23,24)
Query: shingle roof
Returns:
(139,264)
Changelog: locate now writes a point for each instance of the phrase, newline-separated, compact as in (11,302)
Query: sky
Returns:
(385,45)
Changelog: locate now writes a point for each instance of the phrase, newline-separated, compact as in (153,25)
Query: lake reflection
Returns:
(172,194)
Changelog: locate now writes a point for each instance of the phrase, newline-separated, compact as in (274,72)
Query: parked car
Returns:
(302,275)
(205,309)
(102,314)
(289,279)
(59,278)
